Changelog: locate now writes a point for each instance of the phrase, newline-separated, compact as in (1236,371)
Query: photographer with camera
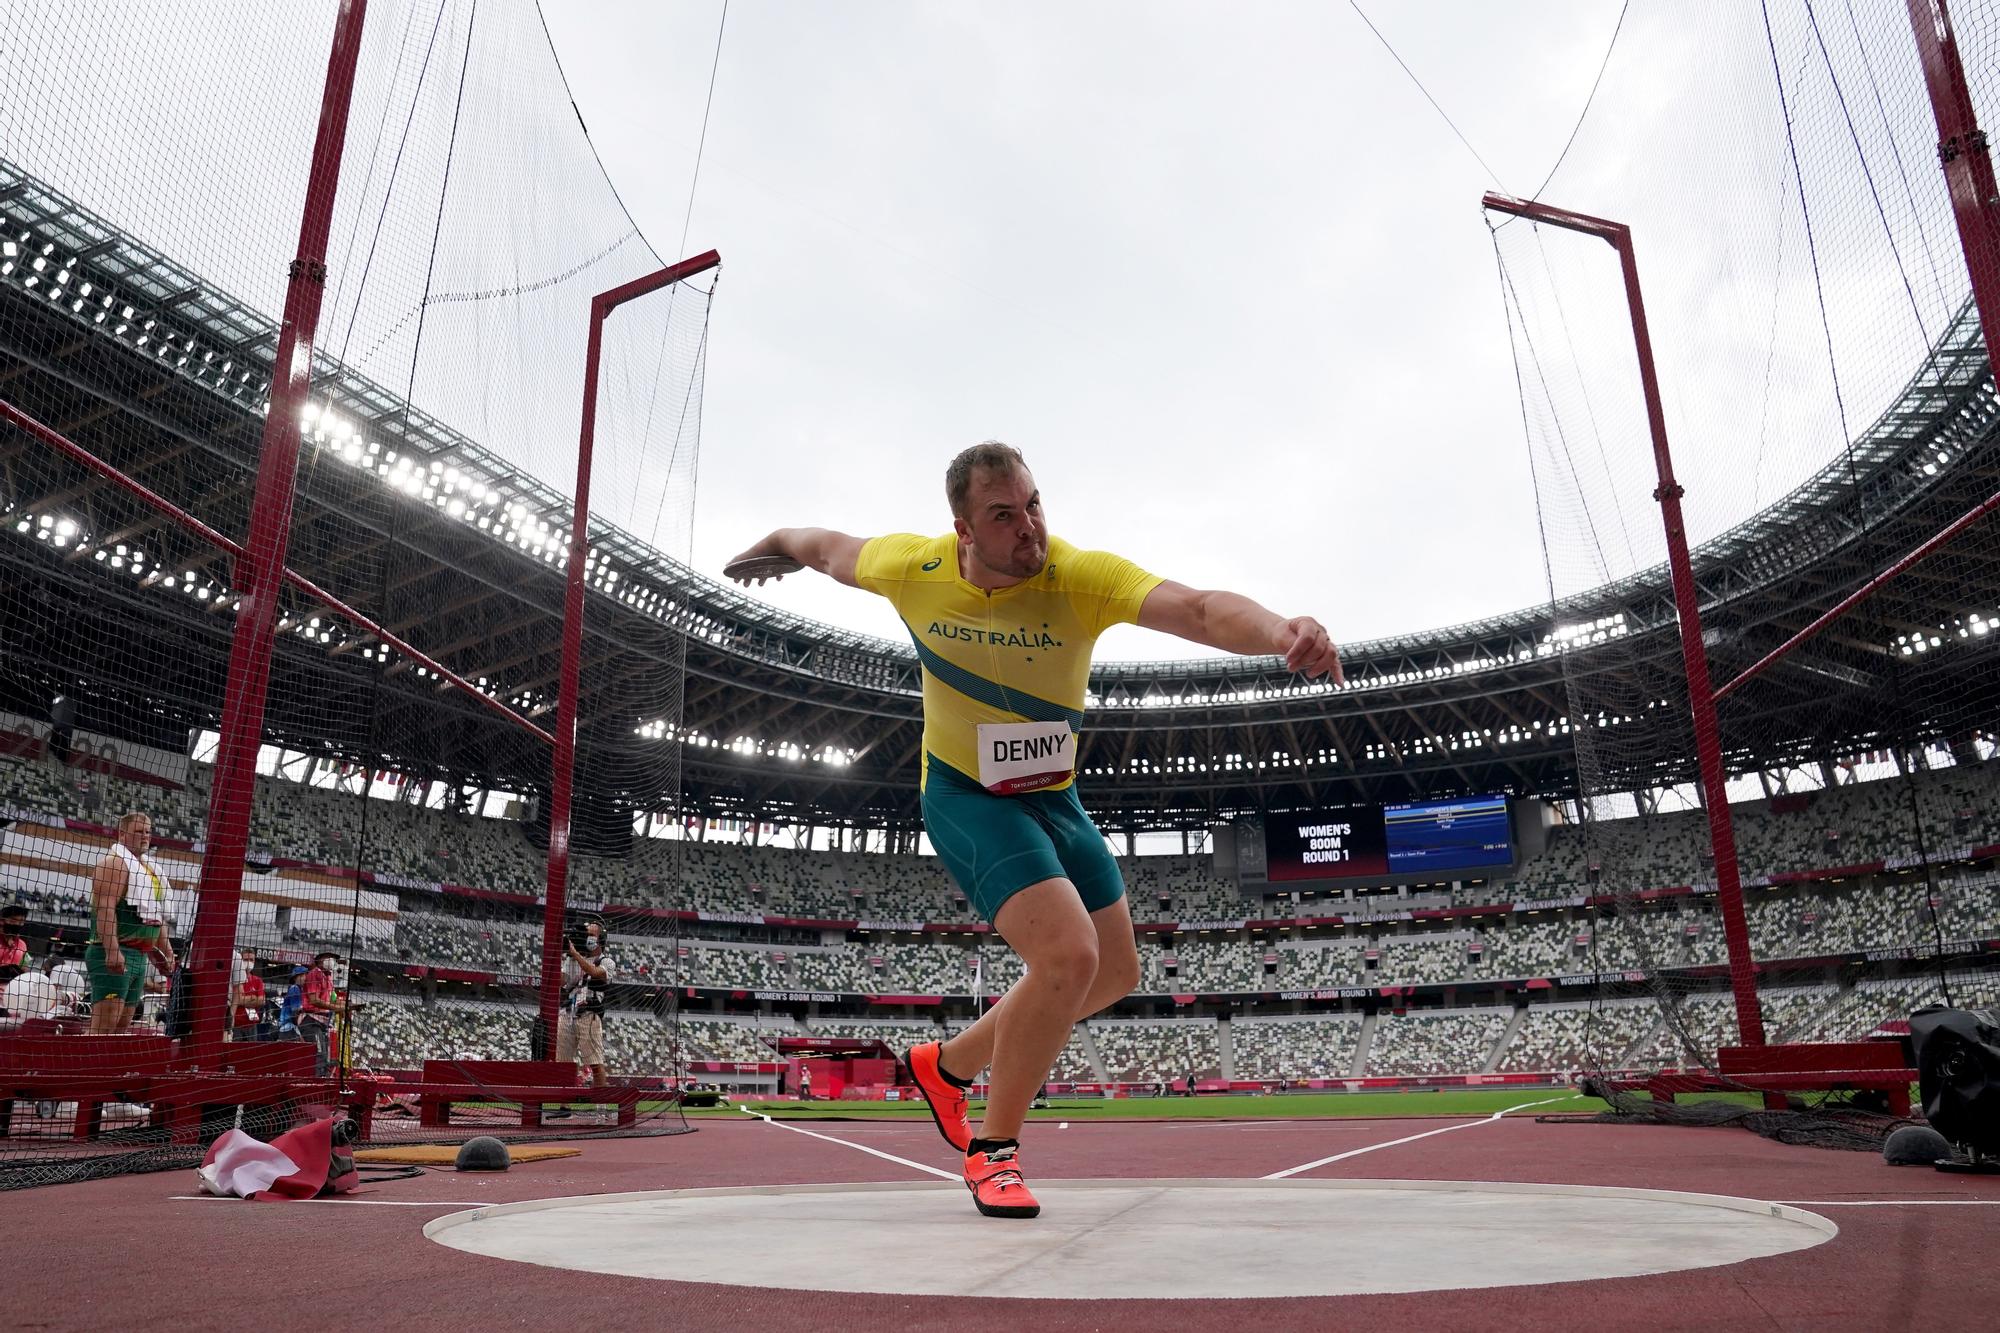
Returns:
(580,1025)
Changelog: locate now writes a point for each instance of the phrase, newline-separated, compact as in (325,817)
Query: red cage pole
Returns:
(1966,158)
(563,774)
(260,572)
(1694,656)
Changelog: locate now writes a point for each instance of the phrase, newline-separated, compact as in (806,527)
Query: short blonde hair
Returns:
(131,817)
(988,455)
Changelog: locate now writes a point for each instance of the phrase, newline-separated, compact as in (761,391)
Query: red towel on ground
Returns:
(238,1164)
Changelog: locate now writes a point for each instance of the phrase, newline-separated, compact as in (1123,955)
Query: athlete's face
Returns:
(137,835)
(1003,529)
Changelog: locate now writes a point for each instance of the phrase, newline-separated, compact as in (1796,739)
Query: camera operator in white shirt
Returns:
(586,971)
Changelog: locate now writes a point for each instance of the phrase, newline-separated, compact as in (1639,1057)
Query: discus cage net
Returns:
(390,796)
(1830,404)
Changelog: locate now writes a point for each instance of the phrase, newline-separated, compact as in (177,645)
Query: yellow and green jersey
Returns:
(1005,669)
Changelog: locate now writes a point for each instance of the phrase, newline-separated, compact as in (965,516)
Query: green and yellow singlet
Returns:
(1005,671)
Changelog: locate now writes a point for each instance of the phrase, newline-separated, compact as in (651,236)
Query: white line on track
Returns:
(1412,1138)
(858,1147)
(1895,1203)
(1306,1126)
(356,1203)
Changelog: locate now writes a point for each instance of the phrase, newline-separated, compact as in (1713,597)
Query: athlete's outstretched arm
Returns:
(1235,624)
(834,554)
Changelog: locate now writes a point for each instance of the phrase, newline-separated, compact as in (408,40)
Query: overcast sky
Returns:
(1220,274)
(1220,271)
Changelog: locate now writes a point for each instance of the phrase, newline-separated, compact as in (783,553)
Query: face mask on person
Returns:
(593,943)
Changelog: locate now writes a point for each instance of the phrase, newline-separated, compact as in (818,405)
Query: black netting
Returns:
(397,825)
(1831,411)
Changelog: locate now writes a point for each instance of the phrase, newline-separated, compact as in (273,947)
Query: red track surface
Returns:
(216,1264)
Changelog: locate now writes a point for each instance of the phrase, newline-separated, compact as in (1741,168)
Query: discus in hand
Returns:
(756,568)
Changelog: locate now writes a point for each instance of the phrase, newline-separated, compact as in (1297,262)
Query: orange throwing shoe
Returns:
(945,1098)
(995,1181)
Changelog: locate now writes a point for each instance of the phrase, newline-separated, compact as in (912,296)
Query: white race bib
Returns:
(1025,756)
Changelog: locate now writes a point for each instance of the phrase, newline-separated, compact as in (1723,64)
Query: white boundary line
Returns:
(1393,1143)
(1895,1203)
(858,1147)
(355,1203)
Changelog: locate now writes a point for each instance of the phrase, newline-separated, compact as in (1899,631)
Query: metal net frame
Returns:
(1784,724)
(315,591)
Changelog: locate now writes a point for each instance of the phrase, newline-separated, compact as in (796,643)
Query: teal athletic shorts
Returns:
(995,846)
(128,987)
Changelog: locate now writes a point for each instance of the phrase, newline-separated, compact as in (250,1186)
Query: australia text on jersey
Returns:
(997,638)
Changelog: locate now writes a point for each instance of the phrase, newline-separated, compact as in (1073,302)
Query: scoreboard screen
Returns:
(1374,841)
(1467,834)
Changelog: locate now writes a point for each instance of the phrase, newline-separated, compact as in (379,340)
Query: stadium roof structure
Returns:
(786,718)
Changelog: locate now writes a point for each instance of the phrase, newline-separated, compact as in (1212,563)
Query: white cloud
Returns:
(1224,282)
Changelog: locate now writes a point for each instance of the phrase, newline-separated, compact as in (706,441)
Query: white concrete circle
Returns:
(1161,1239)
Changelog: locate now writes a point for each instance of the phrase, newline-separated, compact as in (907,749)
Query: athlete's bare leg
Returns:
(1046,925)
(968,1053)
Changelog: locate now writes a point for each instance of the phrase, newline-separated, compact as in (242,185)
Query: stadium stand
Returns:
(1304,966)
(1866,822)
(745,1038)
(898,1034)
(1435,1043)
(1152,1050)
(1293,1048)
(1423,960)
(390,1034)
(1182,888)
(1801,917)
(1200,963)
(1790,1011)
(337,828)
(1561,1037)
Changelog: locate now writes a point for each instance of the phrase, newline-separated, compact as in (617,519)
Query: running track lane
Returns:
(1892,1266)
